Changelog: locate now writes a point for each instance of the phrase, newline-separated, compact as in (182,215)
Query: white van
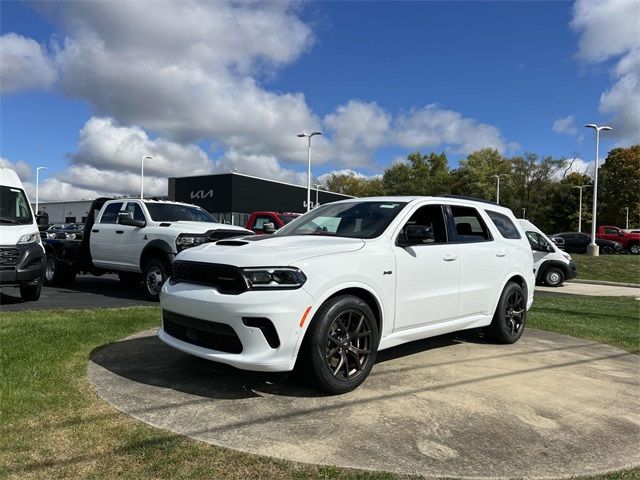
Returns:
(21,251)
(551,265)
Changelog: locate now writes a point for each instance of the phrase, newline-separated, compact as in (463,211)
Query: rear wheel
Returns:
(634,249)
(56,274)
(155,274)
(340,347)
(510,317)
(553,277)
(30,293)
(608,250)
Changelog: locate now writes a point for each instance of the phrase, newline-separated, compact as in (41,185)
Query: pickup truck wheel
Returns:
(510,316)
(30,293)
(56,274)
(155,274)
(341,345)
(634,249)
(554,277)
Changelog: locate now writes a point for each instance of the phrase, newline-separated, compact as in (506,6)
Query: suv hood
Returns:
(202,227)
(269,250)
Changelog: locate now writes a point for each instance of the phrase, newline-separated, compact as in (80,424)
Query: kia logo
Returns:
(201,194)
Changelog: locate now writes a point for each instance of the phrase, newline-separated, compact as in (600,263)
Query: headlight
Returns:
(29,238)
(566,255)
(273,277)
(70,236)
(187,240)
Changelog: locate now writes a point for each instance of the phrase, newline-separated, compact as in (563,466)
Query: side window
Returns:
(430,216)
(135,208)
(504,225)
(610,231)
(533,240)
(469,225)
(110,214)
(260,221)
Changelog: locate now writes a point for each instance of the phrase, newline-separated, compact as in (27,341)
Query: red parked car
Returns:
(630,241)
(269,222)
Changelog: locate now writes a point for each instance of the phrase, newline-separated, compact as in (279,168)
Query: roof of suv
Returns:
(478,202)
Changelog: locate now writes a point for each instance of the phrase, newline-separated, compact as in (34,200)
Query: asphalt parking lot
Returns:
(86,292)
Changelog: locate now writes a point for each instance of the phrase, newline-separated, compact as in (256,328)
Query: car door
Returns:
(484,261)
(427,275)
(129,240)
(571,243)
(102,236)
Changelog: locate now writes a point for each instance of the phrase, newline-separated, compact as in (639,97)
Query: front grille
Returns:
(225,278)
(202,333)
(9,257)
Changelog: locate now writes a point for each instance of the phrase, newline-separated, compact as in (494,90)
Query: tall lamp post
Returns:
(497,177)
(318,185)
(38,186)
(592,248)
(580,187)
(308,136)
(144,157)
(627,223)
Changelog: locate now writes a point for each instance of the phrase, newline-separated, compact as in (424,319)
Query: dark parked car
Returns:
(71,231)
(576,242)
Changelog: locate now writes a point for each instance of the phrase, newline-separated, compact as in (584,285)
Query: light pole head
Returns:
(147,157)
(301,135)
(606,127)
(315,133)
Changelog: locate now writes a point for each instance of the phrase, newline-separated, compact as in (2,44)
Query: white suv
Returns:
(348,279)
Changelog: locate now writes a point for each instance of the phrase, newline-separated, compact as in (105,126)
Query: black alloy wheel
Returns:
(348,345)
(510,317)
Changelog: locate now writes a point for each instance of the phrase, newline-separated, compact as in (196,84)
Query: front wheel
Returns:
(509,319)
(608,250)
(554,277)
(634,249)
(340,347)
(56,274)
(155,274)
(30,293)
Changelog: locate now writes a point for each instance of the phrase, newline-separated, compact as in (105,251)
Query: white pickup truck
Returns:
(137,239)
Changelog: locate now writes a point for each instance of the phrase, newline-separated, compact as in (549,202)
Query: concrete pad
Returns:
(549,406)
(591,289)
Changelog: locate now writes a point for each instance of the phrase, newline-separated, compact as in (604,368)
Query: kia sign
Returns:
(201,194)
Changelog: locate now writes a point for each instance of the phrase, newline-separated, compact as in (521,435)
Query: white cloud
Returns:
(433,126)
(609,30)
(25,65)
(23,169)
(575,165)
(566,125)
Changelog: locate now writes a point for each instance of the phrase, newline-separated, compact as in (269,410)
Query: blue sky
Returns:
(501,72)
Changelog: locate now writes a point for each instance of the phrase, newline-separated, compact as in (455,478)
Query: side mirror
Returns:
(126,218)
(268,227)
(417,235)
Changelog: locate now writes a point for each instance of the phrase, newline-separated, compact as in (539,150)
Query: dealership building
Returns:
(230,197)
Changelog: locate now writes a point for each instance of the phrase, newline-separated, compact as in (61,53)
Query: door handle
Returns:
(119,231)
(500,253)
(95,230)
(450,257)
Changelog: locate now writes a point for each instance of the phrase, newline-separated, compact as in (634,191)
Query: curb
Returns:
(605,282)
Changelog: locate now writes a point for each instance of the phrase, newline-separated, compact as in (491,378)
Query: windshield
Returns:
(352,220)
(172,212)
(14,207)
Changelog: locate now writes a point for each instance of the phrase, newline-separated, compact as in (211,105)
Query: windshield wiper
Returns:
(9,220)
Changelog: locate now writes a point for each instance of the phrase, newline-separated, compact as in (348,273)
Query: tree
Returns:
(420,175)
(475,175)
(351,183)
(565,199)
(619,187)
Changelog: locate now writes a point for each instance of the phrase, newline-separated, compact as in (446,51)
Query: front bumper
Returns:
(29,268)
(283,308)
(571,271)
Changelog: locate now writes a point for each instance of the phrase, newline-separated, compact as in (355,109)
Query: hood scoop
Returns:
(232,243)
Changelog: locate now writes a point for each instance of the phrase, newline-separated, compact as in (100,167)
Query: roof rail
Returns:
(467,197)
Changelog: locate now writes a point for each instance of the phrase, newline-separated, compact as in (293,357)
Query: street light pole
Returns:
(592,248)
(308,136)
(627,223)
(142,175)
(317,185)
(580,187)
(498,186)
(38,186)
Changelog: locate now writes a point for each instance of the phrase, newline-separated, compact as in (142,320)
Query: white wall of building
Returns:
(65,212)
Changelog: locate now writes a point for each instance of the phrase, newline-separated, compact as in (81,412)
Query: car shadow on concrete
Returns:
(148,360)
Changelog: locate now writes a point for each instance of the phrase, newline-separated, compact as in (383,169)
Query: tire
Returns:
(553,277)
(130,279)
(634,249)
(510,317)
(328,364)
(30,293)
(155,273)
(608,250)
(55,274)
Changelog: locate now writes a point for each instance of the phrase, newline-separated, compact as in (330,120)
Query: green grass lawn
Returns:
(612,268)
(52,425)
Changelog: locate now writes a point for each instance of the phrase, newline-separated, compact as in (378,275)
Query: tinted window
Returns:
(351,219)
(136,209)
(14,207)
(469,225)
(260,221)
(504,225)
(611,231)
(174,212)
(110,214)
(288,218)
(430,216)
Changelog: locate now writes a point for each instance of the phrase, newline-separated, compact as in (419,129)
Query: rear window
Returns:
(504,225)
(469,225)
